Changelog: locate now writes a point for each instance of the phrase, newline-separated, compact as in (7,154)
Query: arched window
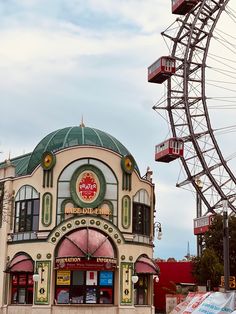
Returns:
(141,213)
(85,264)
(65,201)
(145,268)
(26,211)
(21,274)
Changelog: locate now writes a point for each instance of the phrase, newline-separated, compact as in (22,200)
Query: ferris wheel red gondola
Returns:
(161,69)
(186,102)
(183,6)
(169,150)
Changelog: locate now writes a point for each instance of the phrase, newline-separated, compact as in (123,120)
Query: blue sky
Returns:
(61,60)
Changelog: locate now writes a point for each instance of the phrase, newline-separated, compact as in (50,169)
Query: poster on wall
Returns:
(91,278)
(91,295)
(63,277)
(105,295)
(62,295)
(106,278)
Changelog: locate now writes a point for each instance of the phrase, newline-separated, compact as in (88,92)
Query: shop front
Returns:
(85,263)
(79,236)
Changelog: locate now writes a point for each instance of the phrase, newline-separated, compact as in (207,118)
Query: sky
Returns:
(61,60)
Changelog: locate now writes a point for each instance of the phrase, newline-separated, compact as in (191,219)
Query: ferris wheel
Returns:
(200,78)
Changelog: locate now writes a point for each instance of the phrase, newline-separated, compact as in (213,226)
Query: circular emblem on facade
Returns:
(88,186)
(48,160)
(127,163)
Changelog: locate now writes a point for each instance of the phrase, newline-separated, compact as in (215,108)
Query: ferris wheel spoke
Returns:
(187,103)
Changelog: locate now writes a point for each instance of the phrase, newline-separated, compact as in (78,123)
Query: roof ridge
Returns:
(96,132)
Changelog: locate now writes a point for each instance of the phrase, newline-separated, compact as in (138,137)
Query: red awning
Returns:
(146,265)
(86,243)
(21,263)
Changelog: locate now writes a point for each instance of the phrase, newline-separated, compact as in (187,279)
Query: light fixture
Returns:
(36,277)
(199,183)
(157,227)
(134,278)
(156,279)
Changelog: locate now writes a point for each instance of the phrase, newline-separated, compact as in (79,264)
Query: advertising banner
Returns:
(217,303)
(183,305)
(63,277)
(207,303)
(191,302)
(195,302)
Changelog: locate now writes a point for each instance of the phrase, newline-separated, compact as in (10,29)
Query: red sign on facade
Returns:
(82,263)
(87,186)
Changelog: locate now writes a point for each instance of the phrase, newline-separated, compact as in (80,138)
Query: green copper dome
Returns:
(74,136)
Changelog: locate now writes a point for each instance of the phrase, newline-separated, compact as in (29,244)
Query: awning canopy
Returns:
(146,265)
(21,263)
(86,243)
(86,249)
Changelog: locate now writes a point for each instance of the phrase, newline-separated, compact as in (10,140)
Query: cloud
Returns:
(62,59)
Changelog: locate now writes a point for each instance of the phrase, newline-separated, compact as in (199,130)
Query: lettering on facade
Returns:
(88,211)
(106,260)
(68,259)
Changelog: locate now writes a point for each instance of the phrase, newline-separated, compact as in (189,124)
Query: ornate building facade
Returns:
(76,228)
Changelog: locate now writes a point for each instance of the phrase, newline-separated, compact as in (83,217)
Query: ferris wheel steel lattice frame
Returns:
(187,107)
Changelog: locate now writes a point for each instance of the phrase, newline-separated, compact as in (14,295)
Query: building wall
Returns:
(42,249)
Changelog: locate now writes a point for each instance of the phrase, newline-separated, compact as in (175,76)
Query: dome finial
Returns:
(82,122)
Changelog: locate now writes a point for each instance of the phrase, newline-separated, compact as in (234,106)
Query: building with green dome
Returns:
(76,227)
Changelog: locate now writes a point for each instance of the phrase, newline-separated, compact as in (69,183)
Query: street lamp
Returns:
(226,244)
(199,185)
(157,227)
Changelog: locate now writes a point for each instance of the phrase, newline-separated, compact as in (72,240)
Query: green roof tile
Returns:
(64,138)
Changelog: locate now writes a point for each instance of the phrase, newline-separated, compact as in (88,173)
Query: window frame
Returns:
(28,287)
(85,288)
(27,209)
(140,290)
(141,219)
(26,220)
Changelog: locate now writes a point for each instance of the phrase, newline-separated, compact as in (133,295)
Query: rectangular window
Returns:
(22,288)
(140,290)
(77,294)
(141,219)
(26,215)
(105,296)
(84,287)
(78,278)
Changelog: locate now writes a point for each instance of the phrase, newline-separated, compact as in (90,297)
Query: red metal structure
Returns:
(201,224)
(170,272)
(182,7)
(161,70)
(169,150)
